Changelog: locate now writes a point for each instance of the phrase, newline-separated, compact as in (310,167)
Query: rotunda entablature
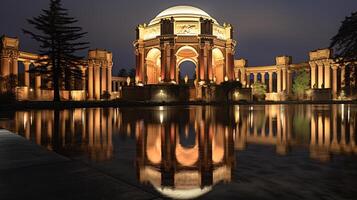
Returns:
(186,21)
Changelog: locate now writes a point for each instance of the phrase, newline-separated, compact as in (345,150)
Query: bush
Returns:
(259,90)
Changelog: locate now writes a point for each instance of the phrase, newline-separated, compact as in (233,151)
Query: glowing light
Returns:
(226,78)
(161,117)
(186,79)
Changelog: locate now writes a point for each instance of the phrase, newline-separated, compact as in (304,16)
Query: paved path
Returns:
(28,171)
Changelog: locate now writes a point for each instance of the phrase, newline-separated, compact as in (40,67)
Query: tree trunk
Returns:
(56,88)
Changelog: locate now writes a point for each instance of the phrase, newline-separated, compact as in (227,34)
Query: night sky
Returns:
(263,28)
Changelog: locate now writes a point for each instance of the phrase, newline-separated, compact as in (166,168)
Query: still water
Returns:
(261,152)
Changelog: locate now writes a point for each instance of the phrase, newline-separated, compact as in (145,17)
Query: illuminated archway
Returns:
(183,55)
(218,65)
(153,66)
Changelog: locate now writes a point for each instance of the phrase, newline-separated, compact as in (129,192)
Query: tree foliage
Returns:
(123,73)
(59,46)
(345,46)
(132,73)
(259,90)
(301,83)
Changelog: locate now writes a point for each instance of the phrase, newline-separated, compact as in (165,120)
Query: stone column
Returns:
(278,80)
(103,77)
(320,75)
(38,87)
(290,81)
(313,74)
(343,73)
(97,81)
(262,75)
(5,66)
(27,74)
(255,77)
(173,64)
(327,75)
(270,82)
(284,79)
(15,66)
(83,78)
(109,78)
(334,81)
(90,80)
(209,64)
(247,78)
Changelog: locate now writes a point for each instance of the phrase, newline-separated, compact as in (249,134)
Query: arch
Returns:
(186,156)
(153,150)
(218,65)
(153,66)
(183,54)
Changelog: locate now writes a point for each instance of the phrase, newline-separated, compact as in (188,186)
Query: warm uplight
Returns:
(226,78)
(128,80)
(186,79)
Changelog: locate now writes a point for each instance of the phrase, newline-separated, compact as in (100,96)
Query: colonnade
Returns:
(97,71)
(279,75)
(324,73)
(99,75)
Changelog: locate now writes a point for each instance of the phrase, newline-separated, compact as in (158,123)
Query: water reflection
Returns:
(184,151)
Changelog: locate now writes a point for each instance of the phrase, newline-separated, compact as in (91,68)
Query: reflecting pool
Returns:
(262,151)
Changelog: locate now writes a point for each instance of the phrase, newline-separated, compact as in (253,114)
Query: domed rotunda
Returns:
(179,34)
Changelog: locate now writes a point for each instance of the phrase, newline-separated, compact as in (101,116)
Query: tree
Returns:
(259,90)
(123,73)
(301,83)
(132,73)
(345,46)
(59,45)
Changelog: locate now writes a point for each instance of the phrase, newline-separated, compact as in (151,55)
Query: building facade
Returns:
(185,33)
(97,74)
(179,34)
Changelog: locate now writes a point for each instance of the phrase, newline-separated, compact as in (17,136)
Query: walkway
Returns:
(28,171)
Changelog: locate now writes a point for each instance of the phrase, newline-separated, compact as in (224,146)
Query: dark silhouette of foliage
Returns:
(123,73)
(132,73)
(59,44)
(345,46)
(229,86)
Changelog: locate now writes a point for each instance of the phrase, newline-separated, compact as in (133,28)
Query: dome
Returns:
(182,12)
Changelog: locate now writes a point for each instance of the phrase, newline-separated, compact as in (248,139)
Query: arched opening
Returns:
(186,63)
(187,68)
(153,66)
(217,65)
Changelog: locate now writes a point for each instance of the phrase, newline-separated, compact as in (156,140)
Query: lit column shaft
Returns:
(27,74)
(327,76)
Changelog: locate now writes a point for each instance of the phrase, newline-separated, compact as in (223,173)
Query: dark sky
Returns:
(263,28)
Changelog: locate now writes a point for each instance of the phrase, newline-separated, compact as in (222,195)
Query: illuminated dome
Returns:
(182,13)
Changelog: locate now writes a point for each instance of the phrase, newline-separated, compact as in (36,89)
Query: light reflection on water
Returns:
(184,151)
